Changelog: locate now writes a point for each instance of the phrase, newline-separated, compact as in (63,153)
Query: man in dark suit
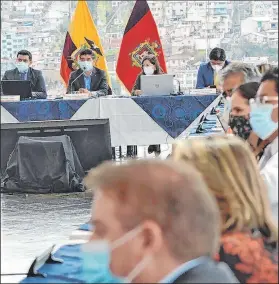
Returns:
(23,71)
(88,79)
(160,221)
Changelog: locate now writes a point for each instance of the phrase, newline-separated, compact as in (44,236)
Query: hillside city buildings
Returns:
(247,30)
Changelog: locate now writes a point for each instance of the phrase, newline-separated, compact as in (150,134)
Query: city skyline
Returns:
(188,31)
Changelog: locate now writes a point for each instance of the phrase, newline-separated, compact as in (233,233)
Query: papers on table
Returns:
(10,98)
(79,96)
(201,92)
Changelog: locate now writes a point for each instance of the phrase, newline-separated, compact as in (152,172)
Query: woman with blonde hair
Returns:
(249,235)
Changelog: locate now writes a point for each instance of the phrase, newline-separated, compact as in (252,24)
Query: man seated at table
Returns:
(88,78)
(23,71)
(208,72)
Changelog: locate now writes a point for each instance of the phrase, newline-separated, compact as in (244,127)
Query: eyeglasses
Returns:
(263,100)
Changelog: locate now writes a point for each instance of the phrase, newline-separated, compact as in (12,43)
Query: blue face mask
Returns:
(261,121)
(96,256)
(85,65)
(96,262)
(22,67)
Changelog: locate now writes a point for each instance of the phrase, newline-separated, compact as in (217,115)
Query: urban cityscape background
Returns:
(247,30)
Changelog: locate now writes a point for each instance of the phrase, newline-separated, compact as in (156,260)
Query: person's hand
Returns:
(82,90)
(138,92)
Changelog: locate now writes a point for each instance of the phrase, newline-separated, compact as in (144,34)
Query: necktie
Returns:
(215,79)
(22,76)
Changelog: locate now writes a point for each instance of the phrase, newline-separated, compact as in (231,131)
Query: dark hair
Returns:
(25,52)
(248,90)
(217,54)
(154,61)
(271,75)
(87,51)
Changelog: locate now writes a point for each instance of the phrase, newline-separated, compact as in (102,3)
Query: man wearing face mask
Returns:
(23,71)
(155,222)
(88,79)
(264,122)
(208,72)
(231,77)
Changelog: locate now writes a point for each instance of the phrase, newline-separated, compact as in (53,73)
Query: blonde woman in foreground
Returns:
(249,234)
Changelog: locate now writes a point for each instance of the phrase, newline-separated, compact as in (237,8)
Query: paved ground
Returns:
(31,224)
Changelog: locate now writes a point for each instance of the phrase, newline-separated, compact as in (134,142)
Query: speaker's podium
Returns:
(52,156)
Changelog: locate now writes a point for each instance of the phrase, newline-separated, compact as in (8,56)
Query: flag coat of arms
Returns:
(82,33)
(140,38)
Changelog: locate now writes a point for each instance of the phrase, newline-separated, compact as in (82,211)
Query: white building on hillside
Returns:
(261,8)
(255,25)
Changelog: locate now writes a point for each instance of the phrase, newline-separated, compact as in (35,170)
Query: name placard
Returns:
(9,98)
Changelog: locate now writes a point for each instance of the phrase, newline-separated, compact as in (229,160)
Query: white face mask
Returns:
(217,68)
(97,258)
(85,65)
(148,70)
(22,66)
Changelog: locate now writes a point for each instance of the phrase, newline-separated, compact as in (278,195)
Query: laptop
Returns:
(157,85)
(17,88)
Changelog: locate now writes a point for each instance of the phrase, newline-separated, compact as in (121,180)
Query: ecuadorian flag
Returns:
(82,33)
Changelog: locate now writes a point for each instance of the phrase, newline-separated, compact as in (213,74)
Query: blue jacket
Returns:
(205,75)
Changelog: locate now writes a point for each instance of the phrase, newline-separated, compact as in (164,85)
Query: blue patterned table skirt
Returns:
(174,114)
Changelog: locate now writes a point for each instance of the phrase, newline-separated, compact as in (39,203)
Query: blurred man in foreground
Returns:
(160,223)
(24,71)
(88,79)
(264,122)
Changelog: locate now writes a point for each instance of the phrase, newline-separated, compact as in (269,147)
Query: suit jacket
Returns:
(208,272)
(98,82)
(205,76)
(36,78)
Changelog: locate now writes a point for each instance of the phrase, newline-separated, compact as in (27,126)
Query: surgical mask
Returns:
(148,70)
(22,66)
(217,68)
(85,65)
(240,126)
(261,121)
(97,258)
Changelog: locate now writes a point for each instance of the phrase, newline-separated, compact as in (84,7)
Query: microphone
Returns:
(179,89)
(77,78)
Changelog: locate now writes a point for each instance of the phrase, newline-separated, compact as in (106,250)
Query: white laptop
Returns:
(157,85)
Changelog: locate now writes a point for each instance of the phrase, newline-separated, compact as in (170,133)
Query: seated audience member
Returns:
(236,74)
(88,79)
(231,77)
(239,117)
(159,221)
(150,66)
(249,234)
(24,71)
(207,74)
(264,122)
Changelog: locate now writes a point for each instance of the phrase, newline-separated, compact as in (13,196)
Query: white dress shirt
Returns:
(269,170)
